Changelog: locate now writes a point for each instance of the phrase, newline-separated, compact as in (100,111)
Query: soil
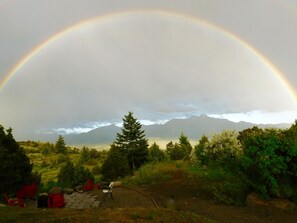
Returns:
(186,197)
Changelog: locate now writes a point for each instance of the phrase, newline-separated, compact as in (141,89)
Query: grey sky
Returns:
(158,65)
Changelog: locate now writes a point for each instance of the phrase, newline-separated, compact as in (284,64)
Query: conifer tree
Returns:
(15,168)
(60,145)
(133,141)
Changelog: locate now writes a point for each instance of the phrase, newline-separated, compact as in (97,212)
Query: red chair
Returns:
(27,191)
(55,201)
(14,201)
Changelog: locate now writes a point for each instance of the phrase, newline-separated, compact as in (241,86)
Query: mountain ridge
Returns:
(193,127)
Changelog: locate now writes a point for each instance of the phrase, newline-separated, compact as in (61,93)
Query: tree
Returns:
(132,140)
(60,145)
(155,153)
(185,146)
(268,161)
(116,164)
(15,168)
(199,150)
(85,155)
(71,175)
(224,147)
(66,174)
(175,151)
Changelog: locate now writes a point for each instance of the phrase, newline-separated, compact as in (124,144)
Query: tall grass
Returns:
(153,173)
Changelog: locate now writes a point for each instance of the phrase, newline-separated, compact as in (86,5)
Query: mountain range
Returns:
(193,127)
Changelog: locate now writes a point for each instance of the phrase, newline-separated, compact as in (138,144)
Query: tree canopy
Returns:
(15,168)
(132,140)
(60,145)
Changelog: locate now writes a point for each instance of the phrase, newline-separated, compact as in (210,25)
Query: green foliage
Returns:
(60,145)
(223,147)
(223,185)
(96,170)
(199,150)
(132,140)
(62,158)
(266,159)
(152,173)
(116,165)
(47,148)
(15,168)
(174,151)
(85,155)
(155,153)
(228,192)
(71,175)
(185,146)
(181,150)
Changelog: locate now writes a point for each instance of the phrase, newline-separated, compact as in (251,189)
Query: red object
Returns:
(27,191)
(14,201)
(56,201)
(89,185)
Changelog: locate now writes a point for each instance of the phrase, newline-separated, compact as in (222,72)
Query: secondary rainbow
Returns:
(110,16)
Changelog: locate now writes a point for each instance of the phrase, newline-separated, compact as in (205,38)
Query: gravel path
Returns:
(122,198)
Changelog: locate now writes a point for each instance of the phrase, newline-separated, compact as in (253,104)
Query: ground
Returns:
(170,199)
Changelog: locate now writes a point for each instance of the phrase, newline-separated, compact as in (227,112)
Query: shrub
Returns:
(152,173)
(223,147)
(70,175)
(266,161)
(155,153)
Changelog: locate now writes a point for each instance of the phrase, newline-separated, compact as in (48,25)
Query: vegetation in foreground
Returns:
(228,166)
(29,215)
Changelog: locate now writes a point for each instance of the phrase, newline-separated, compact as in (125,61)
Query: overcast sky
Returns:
(167,59)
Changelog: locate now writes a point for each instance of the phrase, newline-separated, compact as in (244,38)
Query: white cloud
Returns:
(259,117)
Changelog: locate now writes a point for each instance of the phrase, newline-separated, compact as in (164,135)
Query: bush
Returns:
(70,175)
(152,173)
(155,153)
(224,147)
(265,160)
(230,193)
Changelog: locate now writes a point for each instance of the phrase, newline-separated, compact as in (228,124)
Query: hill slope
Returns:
(193,128)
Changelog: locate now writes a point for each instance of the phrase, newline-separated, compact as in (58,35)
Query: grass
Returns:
(153,173)
(28,215)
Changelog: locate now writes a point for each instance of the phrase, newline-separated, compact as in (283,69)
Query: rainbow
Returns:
(105,18)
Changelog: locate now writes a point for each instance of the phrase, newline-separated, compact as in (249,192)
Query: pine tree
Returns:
(60,145)
(185,146)
(133,141)
(15,168)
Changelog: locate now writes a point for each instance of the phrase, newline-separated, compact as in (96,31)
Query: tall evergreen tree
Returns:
(133,141)
(15,168)
(60,145)
(185,146)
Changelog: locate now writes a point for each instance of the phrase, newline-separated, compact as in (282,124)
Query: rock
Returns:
(55,190)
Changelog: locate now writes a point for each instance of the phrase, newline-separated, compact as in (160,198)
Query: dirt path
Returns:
(187,198)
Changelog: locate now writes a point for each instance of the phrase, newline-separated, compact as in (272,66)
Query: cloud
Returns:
(160,67)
